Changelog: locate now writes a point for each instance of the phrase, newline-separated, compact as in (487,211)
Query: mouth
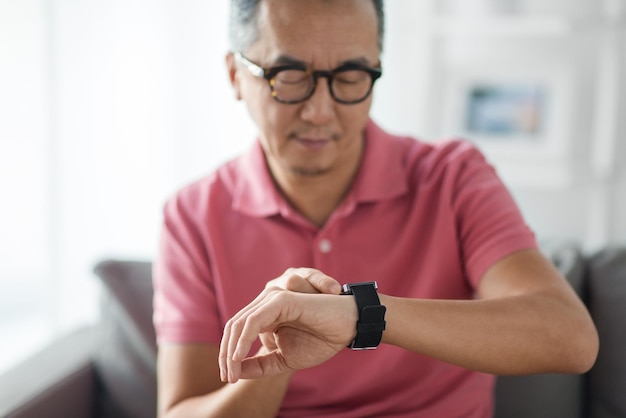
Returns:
(312,142)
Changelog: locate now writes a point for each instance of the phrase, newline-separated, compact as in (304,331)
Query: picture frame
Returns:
(505,111)
(509,113)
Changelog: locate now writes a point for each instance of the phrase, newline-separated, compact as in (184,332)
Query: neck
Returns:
(315,199)
(317,196)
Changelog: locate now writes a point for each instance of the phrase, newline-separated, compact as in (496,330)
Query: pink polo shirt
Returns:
(424,220)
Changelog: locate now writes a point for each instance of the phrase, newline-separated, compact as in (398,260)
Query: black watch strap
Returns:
(371,322)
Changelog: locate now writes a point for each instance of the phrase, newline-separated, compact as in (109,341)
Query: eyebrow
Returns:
(289,60)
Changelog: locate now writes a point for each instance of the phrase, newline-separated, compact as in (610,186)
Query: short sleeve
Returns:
(185,309)
(489,223)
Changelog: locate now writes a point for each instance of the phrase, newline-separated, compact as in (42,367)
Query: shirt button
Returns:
(325,246)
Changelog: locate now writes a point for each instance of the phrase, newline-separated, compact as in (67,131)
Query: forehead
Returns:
(321,32)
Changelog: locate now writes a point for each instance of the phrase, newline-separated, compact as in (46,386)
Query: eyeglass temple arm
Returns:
(254,69)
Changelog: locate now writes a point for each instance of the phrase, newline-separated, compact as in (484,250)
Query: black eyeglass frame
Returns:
(269,74)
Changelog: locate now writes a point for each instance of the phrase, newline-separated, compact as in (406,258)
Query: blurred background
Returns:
(108,107)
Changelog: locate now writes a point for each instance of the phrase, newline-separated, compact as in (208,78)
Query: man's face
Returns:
(318,136)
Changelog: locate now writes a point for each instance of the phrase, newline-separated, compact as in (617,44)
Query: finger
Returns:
(292,280)
(249,328)
(297,283)
(235,353)
(233,366)
(255,302)
(223,354)
(227,366)
(320,281)
(263,365)
(268,340)
(245,328)
(276,308)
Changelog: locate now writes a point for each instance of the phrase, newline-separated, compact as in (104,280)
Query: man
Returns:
(258,250)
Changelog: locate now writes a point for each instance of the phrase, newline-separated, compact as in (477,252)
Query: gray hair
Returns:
(244,31)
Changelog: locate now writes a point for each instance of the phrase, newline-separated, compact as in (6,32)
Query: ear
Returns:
(233,74)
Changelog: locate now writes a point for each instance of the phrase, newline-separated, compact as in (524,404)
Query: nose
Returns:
(319,109)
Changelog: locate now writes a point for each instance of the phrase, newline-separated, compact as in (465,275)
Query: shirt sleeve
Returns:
(489,225)
(185,309)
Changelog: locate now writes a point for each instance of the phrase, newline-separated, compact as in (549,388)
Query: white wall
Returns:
(574,186)
(24,173)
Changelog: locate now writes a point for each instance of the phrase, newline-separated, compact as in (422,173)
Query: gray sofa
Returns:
(109,370)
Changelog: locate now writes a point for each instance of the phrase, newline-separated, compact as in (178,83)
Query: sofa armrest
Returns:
(58,381)
(607,289)
(126,357)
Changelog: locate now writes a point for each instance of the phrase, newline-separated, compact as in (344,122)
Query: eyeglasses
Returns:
(294,83)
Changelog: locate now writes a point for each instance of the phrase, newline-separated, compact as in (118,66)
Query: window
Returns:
(24,215)
(106,109)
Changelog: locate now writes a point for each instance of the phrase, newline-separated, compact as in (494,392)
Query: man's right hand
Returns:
(308,330)
(301,280)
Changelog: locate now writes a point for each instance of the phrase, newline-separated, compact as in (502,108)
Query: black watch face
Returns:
(346,288)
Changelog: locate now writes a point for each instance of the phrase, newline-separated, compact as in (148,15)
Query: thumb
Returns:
(322,282)
(262,365)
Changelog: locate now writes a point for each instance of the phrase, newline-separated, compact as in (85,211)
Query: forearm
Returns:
(247,398)
(514,335)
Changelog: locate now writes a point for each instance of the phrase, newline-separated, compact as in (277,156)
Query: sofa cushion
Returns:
(607,291)
(547,395)
(126,355)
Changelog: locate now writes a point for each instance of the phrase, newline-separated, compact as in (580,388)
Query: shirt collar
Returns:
(255,192)
(382,172)
(380,176)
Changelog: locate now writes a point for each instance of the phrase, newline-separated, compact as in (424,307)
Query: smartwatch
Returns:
(371,322)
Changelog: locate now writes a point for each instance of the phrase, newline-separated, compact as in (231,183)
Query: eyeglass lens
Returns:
(292,85)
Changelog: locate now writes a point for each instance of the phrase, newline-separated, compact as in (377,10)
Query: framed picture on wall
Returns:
(506,110)
(511,113)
